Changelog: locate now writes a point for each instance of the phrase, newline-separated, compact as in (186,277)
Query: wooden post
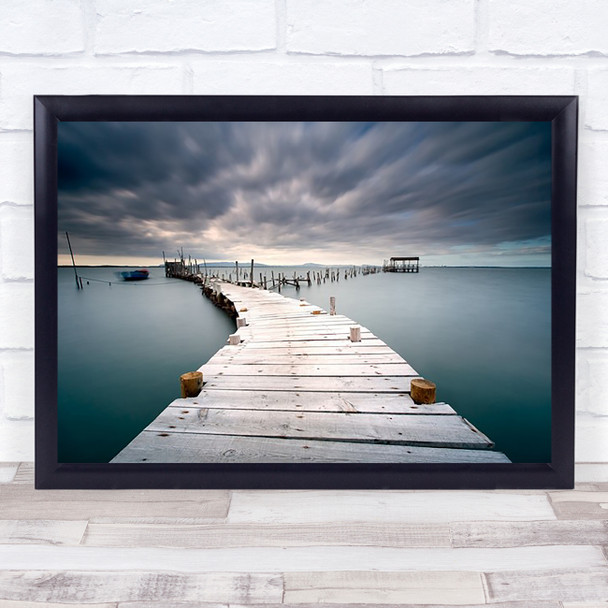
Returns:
(422,391)
(241,322)
(234,339)
(251,273)
(272,277)
(237,271)
(332,305)
(191,384)
(355,333)
(73,262)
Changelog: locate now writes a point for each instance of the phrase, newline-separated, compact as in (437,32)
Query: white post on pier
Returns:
(241,322)
(234,339)
(332,305)
(355,333)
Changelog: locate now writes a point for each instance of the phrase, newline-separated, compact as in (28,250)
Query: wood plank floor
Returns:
(296,389)
(204,549)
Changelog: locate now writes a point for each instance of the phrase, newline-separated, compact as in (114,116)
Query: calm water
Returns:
(482,335)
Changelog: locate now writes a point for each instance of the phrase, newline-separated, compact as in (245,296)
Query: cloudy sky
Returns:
(291,193)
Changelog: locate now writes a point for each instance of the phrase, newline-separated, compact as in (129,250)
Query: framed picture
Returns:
(305,292)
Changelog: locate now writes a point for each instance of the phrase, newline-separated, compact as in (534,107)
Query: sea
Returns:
(482,335)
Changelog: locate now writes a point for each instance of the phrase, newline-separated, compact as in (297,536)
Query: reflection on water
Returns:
(482,335)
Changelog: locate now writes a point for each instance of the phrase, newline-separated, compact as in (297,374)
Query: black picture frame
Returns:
(561,111)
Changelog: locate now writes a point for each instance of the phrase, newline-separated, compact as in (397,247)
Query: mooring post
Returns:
(332,305)
(73,262)
(355,333)
(191,384)
(237,271)
(422,391)
(234,339)
(251,275)
(241,322)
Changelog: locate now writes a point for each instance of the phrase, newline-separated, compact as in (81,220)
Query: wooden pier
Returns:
(294,388)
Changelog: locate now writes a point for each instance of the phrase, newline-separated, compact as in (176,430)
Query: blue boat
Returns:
(135,275)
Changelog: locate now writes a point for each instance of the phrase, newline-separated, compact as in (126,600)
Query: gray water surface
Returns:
(481,334)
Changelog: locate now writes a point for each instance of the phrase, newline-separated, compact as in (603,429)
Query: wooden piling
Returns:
(355,333)
(423,391)
(251,274)
(332,305)
(191,384)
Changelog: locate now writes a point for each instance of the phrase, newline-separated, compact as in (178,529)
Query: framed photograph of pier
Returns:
(305,292)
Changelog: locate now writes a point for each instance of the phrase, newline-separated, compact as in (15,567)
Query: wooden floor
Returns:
(211,549)
(296,389)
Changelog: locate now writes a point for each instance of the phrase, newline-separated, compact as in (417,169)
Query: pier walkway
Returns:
(296,389)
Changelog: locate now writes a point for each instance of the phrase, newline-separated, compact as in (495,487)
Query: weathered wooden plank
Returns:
(330,333)
(574,504)
(180,604)
(313,506)
(27,604)
(576,584)
(303,320)
(407,429)
(305,369)
(148,446)
(40,531)
(345,350)
(399,403)
(446,603)
(266,535)
(598,604)
(371,384)
(21,501)
(245,357)
(447,588)
(519,534)
(294,343)
(298,559)
(78,587)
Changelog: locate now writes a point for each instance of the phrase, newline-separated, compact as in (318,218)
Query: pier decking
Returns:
(296,389)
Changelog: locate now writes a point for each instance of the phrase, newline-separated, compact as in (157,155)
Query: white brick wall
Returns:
(299,47)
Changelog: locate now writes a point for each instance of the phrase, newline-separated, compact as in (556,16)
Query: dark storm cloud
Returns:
(139,188)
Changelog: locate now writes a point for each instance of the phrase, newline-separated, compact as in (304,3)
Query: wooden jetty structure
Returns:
(296,384)
(402,264)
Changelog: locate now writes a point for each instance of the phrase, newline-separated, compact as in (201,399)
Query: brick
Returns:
(18,385)
(546,27)
(592,383)
(596,239)
(16,440)
(20,83)
(358,27)
(596,111)
(42,27)
(590,438)
(17,242)
(16,168)
(310,78)
(592,174)
(184,25)
(478,81)
(592,320)
(16,315)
